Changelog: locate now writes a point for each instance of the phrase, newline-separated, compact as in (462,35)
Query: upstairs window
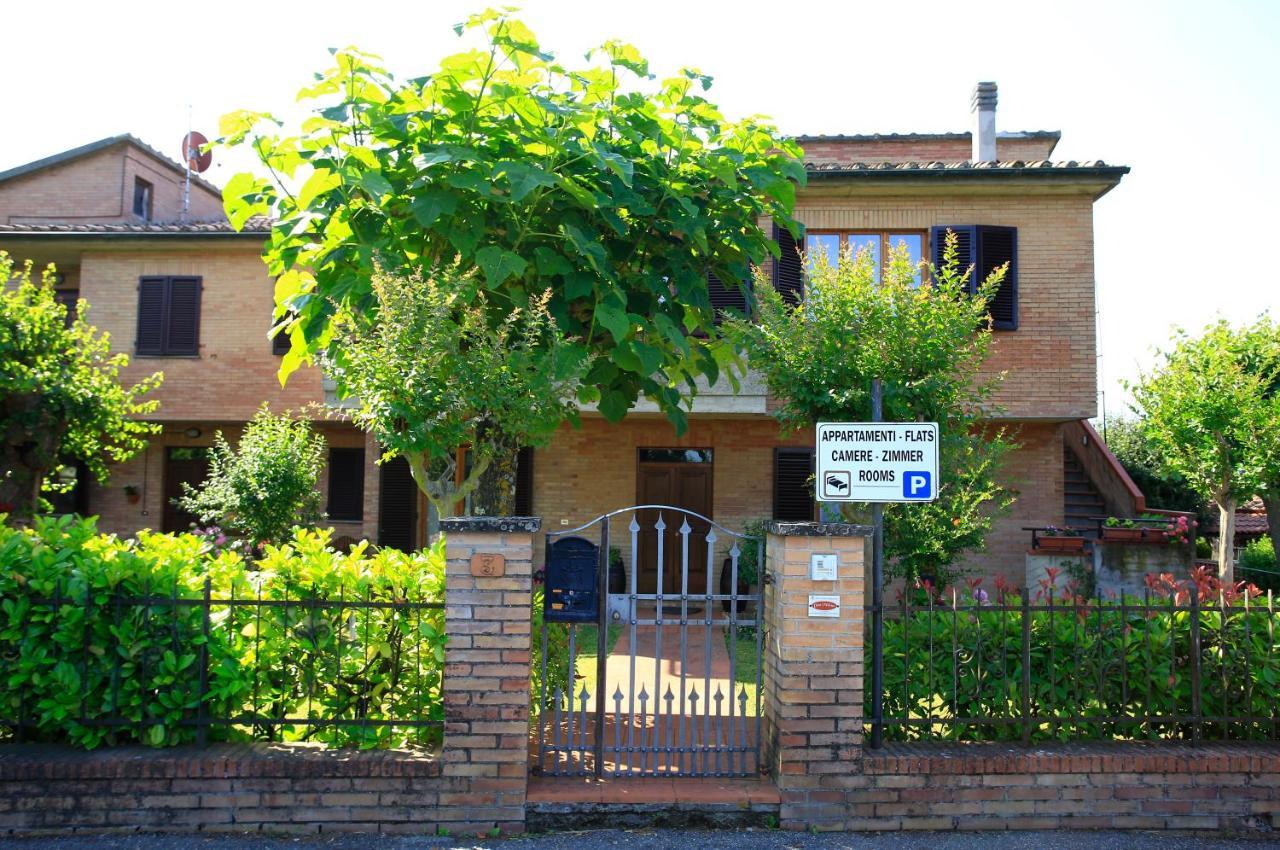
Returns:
(876,243)
(986,248)
(142,198)
(169,316)
(346,485)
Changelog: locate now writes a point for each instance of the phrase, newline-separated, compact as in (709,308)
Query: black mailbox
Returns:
(571,586)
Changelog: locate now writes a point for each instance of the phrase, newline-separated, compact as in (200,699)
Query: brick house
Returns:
(189,296)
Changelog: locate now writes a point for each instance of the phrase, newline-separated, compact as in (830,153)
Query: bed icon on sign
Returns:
(917,485)
(836,484)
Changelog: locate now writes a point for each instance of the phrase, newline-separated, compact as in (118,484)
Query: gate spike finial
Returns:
(660,525)
(684,527)
(711,535)
(634,526)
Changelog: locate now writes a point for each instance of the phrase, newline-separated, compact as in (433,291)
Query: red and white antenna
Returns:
(198,159)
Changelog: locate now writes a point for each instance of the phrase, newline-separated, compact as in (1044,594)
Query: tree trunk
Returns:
(1272,501)
(495,495)
(1226,539)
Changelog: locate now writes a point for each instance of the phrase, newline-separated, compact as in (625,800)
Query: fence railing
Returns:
(163,668)
(1180,664)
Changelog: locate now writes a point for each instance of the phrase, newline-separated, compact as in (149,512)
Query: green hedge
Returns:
(104,653)
(961,656)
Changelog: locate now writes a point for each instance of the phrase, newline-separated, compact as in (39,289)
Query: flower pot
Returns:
(1122,535)
(617,577)
(1155,535)
(133,498)
(1061,544)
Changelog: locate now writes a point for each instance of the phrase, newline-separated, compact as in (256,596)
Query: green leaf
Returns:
(614,320)
(614,406)
(499,264)
(430,204)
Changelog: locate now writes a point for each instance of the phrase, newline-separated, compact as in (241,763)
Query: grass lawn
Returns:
(743,651)
(585,660)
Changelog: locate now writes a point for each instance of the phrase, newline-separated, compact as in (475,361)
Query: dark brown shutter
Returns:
(788,269)
(792,491)
(151,301)
(524,482)
(727,298)
(346,484)
(184,316)
(965,239)
(997,246)
(280,343)
(986,247)
(397,506)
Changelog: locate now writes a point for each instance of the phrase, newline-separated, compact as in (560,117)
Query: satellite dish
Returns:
(197,159)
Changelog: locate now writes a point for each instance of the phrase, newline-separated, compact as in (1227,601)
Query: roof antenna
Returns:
(197,159)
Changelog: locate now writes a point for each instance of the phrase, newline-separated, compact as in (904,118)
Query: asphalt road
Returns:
(674,839)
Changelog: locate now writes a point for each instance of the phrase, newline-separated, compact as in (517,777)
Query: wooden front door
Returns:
(680,478)
(182,465)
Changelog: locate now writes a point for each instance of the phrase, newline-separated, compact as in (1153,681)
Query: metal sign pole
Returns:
(877,595)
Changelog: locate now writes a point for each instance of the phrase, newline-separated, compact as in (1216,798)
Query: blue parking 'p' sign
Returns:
(917,485)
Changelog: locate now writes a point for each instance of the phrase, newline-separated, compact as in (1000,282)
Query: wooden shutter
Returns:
(524,482)
(184,316)
(168,316)
(151,300)
(792,493)
(727,298)
(397,506)
(788,270)
(997,246)
(986,247)
(346,484)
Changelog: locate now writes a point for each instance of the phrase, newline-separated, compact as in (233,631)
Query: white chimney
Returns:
(984,128)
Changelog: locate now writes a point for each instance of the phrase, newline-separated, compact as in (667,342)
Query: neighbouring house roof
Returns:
(258,226)
(1007,168)
(922,137)
(101,145)
(1251,520)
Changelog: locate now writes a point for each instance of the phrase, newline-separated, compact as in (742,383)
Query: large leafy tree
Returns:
(925,341)
(61,399)
(432,374)
(1259,353)
(615,192)
(1213,419)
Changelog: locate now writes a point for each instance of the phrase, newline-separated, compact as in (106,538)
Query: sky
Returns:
(1187,94)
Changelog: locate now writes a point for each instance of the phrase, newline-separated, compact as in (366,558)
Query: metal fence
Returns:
(1181,665)
(340,667)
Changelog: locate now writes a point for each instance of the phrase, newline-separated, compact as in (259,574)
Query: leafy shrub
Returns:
(116,657)
(267,485)
(557,656)
(960,656)
(1258,564)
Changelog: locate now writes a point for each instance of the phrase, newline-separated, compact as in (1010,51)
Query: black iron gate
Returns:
(682,695)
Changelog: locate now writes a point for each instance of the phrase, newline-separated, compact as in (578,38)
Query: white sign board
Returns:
(822,605)
(823,566)
(877,461)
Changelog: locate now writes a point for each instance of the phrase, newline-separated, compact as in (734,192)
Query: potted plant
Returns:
(1054,539)
(1117,530)
(749,557)
(617,571)
(132,493)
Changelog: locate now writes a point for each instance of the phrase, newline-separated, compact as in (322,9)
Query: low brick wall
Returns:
(1098,786)
(273,788)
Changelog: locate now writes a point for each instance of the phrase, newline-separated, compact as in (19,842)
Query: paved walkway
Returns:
(673,840)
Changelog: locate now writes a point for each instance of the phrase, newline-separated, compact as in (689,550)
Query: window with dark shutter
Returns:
(346,485)
(524,483)
(142,197)
(280,343)
(788,270)
(792,490)
(68,298)
(727,298)
(986,248)
(169,316)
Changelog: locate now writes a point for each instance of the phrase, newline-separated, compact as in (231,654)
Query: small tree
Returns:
(612,191)
(267,485)
(61,399)
(433,374)
(1260,355)
(1214,422)
(926,343)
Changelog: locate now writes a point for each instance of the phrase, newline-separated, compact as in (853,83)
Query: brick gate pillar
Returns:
(488,587)
(813,666)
